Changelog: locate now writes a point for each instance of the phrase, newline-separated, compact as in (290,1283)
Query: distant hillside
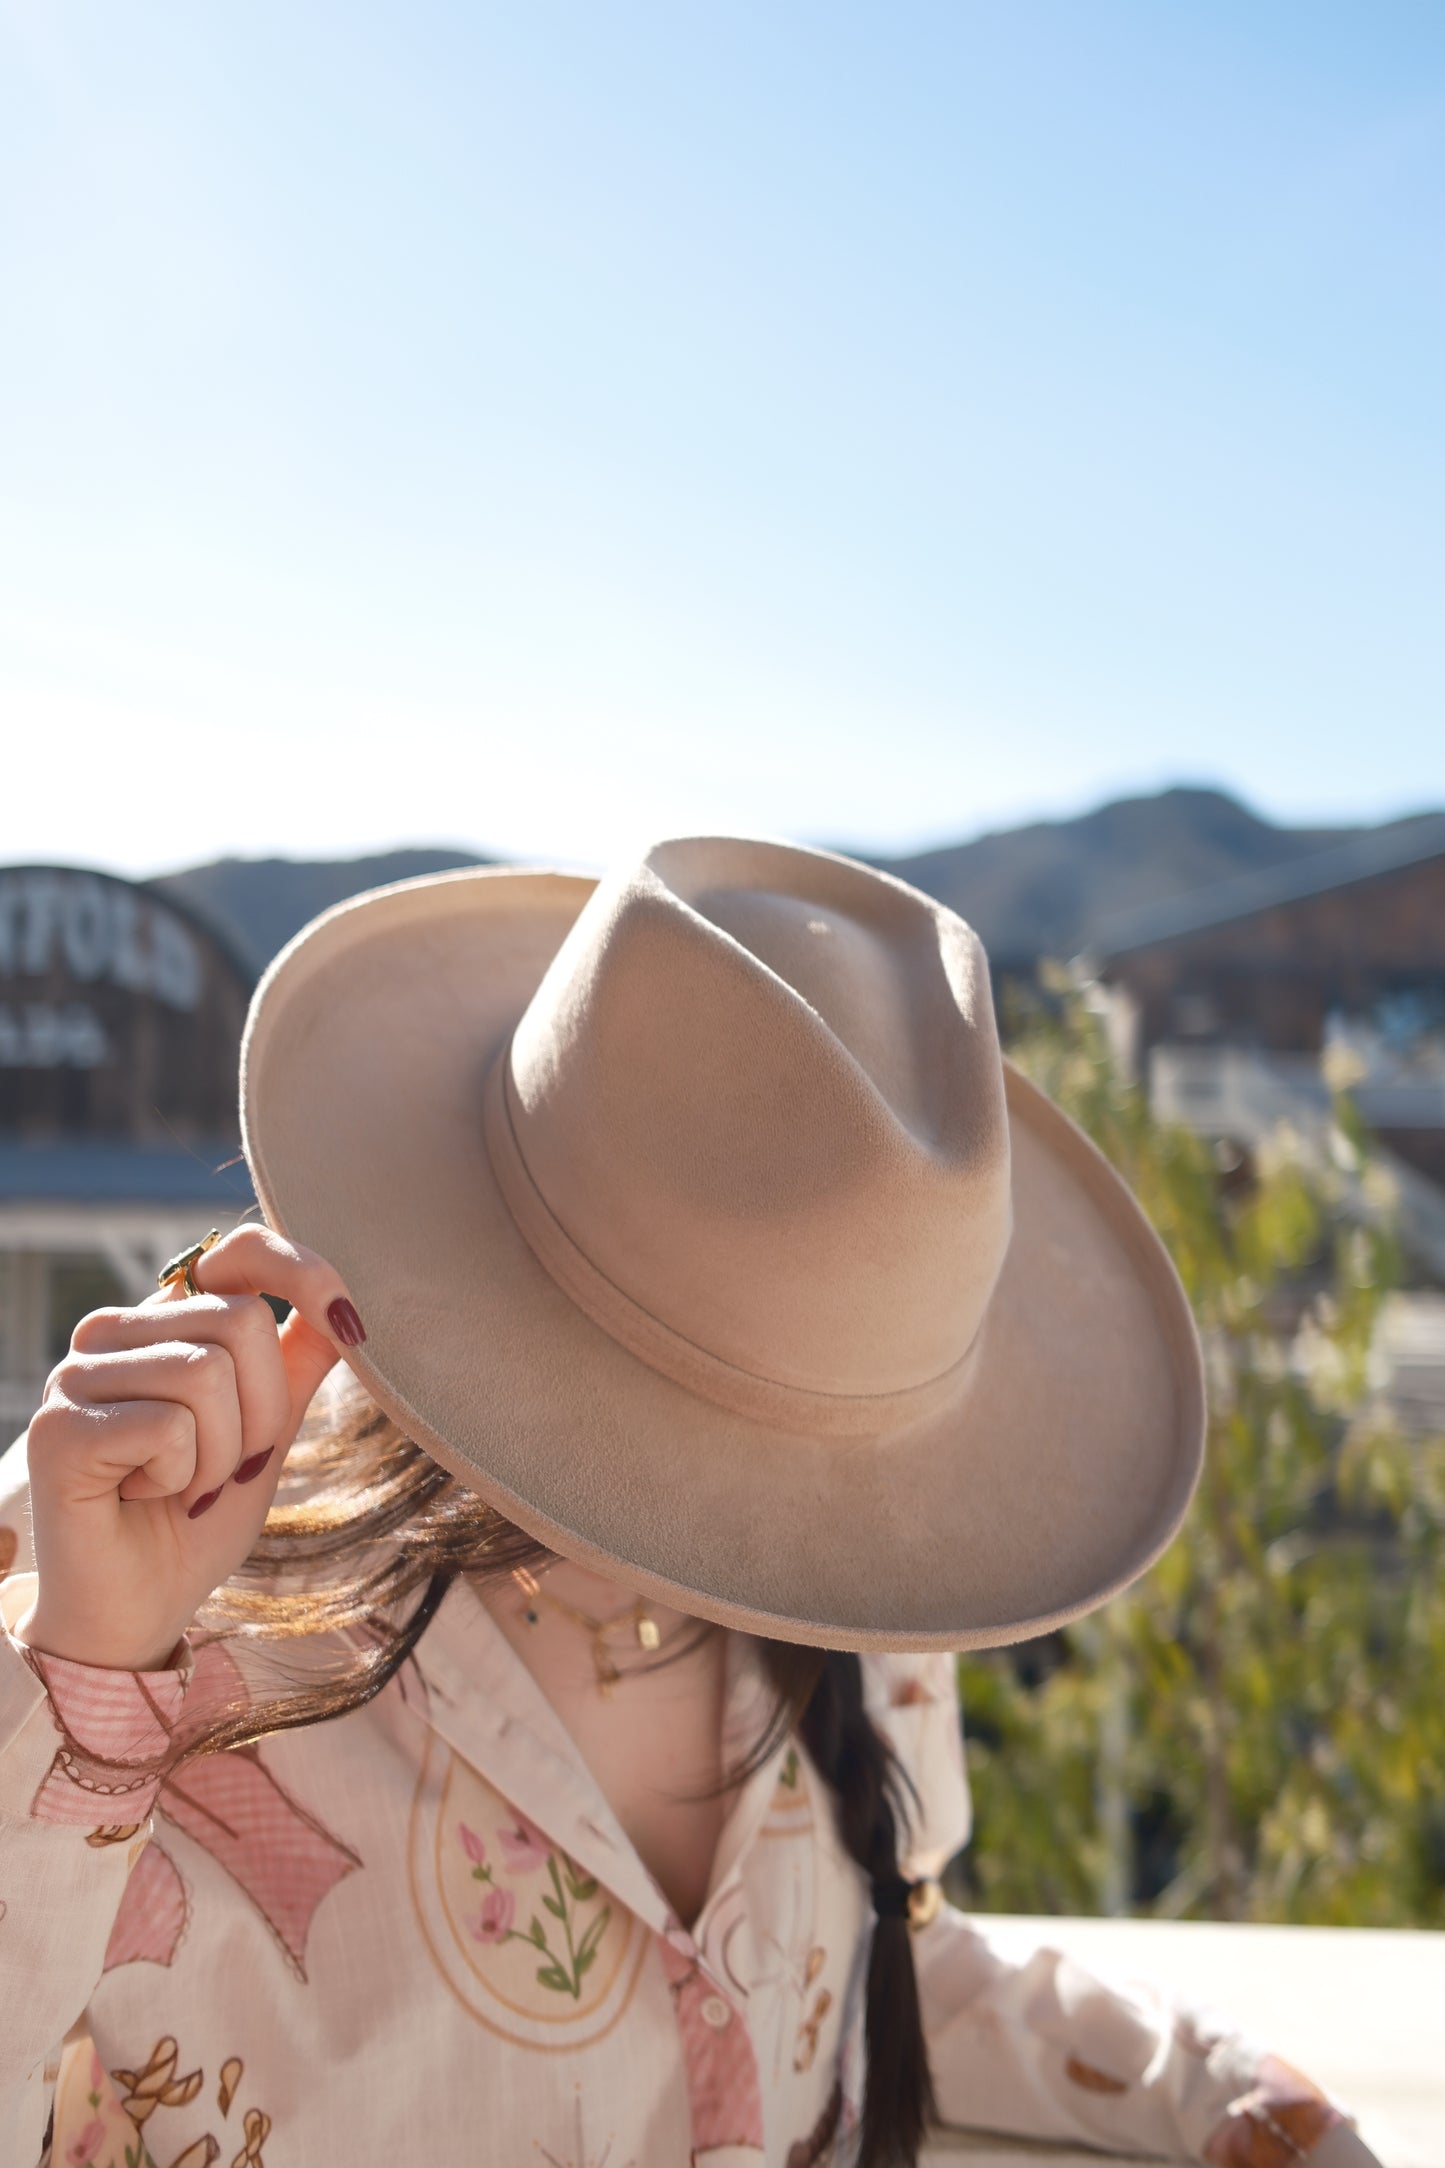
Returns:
(1048,889)
(258,903)
(1051,888)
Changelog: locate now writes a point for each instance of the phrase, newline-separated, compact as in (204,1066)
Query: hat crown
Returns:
(760,1098)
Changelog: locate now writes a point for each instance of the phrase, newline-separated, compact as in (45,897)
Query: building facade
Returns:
(120,1026)
(1246,1007)
(1329,971)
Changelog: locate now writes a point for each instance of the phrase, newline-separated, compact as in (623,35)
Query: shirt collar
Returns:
(481,1698)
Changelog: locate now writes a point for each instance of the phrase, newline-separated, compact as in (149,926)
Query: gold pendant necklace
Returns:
(644,1626)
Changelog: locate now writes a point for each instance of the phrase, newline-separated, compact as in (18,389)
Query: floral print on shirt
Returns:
(529,1941)
(117,2118)
(568,1949)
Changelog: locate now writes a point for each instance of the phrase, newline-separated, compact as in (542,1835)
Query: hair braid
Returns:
(869,1791)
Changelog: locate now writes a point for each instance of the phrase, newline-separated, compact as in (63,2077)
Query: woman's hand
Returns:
(156,1452)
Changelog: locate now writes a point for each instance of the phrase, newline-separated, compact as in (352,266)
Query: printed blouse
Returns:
(419,1935)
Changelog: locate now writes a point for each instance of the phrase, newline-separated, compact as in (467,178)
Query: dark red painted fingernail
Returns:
(345,1323)
(203,1504)
(250,1469)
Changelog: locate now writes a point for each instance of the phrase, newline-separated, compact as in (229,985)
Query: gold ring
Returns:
(181,1269)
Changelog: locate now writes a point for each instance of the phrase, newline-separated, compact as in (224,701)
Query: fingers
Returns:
(253,1260)
(242,1324)
(146,1447)
(189,1392)
(324,1323)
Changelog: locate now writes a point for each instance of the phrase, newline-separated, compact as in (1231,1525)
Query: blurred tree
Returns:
(1257,1730)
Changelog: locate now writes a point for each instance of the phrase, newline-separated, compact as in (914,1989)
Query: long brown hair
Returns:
(364,1540)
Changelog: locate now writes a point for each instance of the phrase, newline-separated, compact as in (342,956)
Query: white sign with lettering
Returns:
(95,931)
(44,1035)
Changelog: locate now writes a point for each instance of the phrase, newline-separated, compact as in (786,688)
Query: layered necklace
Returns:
(636,1621)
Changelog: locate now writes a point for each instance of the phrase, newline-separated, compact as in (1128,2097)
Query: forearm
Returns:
(72,1829)
(1036,2046)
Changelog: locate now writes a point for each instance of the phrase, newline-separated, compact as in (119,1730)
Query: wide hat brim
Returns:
(1056,1474)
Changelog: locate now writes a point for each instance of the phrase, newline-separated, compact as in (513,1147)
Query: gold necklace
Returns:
(637,1616)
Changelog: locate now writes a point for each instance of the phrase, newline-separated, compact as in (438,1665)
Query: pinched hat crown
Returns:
(758,1133)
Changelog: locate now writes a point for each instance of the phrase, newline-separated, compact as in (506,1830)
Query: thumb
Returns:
(308,1356)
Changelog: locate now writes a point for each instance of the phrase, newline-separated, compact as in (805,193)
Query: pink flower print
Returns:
(472,1845)
(525,1846)
(83,2150)
(494,1922)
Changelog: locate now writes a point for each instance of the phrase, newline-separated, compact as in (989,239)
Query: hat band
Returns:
(670,1353)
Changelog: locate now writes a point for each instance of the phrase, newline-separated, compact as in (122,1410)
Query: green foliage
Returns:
(1257,1730)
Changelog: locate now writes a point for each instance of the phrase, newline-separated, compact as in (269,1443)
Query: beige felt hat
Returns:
(698,1223)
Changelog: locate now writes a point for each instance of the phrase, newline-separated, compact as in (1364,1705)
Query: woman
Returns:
(727,1300)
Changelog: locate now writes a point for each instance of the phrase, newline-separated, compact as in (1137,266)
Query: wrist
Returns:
(73,1642)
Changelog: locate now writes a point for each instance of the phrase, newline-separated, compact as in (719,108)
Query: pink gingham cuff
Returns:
(116,1728)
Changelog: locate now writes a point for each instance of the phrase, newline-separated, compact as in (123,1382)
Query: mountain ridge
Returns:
(1045,888)
(259,903)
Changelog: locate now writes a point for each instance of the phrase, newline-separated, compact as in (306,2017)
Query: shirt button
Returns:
(716,2013)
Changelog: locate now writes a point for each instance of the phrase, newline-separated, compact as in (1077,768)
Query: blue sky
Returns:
(534,427)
